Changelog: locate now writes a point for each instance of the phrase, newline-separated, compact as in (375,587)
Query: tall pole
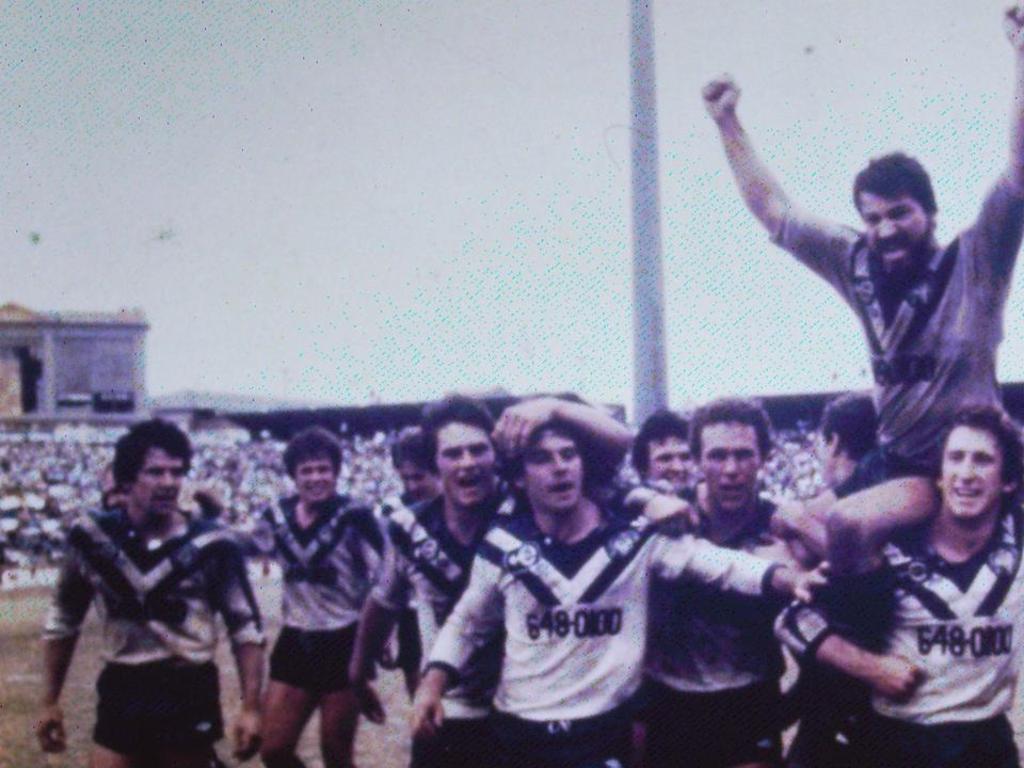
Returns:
(650,380)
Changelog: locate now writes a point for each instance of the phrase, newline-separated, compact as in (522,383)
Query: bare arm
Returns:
(1014,27)
(246,730)
(890,676)
(759,188)
(427,709)
(860,525)
(518,421)
(375,623)
(57,655)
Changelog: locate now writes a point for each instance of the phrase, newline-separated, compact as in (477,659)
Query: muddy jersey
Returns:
(706,640)
(939,350)
(960,623)
(328,567)
(575,615)
(425,566)
(155,602)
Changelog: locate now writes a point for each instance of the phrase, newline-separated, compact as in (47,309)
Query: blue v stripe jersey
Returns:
(424,565)
(329,566)
(155,604)
(959,623)
(575,615)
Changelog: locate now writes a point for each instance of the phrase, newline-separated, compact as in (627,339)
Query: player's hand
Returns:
(808,583)
(663,507)
(50,729)
(1013,25)
(720,97)
(245,734)
(895,678)
(369,702)
(427,709)
(518,421)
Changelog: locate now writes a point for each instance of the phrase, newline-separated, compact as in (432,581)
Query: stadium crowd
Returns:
(48,477)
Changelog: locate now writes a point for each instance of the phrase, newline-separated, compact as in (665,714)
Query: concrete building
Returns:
(71,365)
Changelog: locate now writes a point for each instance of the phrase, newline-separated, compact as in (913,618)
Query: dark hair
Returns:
(659,426)
(852,417)
(732,410)
(131,448)
(410,446)
(596,469)
(993,419)
(312,443)
(894,175)
(451,410)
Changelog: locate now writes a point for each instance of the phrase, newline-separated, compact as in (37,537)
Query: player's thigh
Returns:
(101,757)
(339,716)
(286,710)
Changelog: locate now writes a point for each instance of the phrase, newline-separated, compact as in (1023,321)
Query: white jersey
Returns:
(575,615)
(328,566)
(960,624)
(424,565)
(154,604)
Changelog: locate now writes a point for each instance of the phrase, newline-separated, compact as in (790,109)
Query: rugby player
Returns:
(431,548)
(566,583)
(932,628)
(831,706)
(410,460)
(329,550)
(932,315)
(714,665)
(420,483)
(661,453)
(157,580)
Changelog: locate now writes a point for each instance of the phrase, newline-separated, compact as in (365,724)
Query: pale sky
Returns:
(328,200)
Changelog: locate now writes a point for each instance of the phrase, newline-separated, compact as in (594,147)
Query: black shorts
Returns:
(881,465)
(460,743)
(313,660)
(832,709)
(984,744)
(713,730)
(147,708)
(602,741)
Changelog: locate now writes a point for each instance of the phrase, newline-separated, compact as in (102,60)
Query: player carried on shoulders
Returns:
(932,314)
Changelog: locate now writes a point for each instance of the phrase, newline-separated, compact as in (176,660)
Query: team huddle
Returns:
(545,615)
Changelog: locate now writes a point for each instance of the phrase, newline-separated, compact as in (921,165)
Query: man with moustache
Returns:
(566,583)
(431,548)
(329,549)
(932,314)
(157,580)
(930,626)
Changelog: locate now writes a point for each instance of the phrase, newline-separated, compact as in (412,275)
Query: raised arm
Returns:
(1014,27)
(519,420)
(758,186)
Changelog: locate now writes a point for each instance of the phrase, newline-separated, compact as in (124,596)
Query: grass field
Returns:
(21,616)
